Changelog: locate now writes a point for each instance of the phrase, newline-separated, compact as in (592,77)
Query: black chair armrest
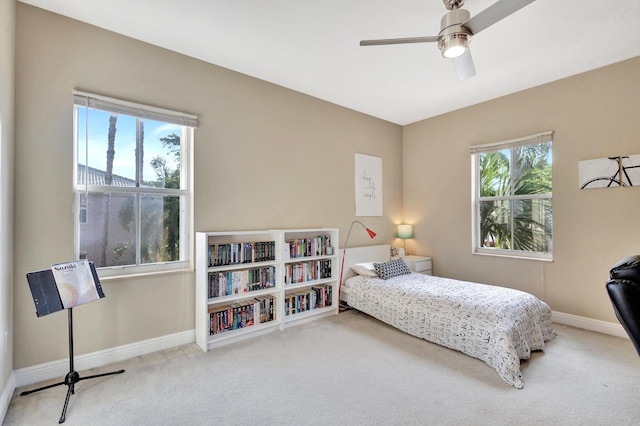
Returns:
(626,269)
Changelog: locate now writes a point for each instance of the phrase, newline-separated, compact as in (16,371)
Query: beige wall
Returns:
(7,38)
(265,157)
(269,157)
(593,115)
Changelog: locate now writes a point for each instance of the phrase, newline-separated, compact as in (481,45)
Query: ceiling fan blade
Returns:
(464,66)
(428,39)
(494,13)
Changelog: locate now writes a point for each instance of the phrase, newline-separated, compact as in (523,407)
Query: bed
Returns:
(497,325)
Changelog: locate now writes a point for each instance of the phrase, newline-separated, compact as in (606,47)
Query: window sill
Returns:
(543,257)
(116,274)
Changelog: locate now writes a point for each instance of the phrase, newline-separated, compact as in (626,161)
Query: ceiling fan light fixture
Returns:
(454,45)
(456,31)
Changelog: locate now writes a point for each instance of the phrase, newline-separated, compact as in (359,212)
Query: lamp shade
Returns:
(405,232)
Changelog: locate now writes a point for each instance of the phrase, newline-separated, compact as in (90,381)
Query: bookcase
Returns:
(254,282)
(310,266)
(238,285)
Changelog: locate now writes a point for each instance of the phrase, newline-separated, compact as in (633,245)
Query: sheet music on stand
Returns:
(63,286)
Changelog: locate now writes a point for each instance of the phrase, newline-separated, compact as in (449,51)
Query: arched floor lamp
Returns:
(344,250)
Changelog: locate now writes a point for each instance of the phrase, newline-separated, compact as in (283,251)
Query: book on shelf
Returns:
(323,295)
(308,299)
(307,271)
(312,246)
(267,308)
(239,315)
(239,253)
(225,283)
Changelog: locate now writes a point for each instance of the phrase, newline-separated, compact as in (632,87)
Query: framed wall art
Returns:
(368,185)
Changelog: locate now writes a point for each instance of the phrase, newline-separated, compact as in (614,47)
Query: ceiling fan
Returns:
(456,30)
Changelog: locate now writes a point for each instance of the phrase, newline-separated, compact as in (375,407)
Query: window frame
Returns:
(476,151)
(188,124)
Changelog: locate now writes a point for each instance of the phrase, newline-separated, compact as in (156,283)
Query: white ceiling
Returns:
(311,46)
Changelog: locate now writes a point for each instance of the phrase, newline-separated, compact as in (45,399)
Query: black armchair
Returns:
(624,291)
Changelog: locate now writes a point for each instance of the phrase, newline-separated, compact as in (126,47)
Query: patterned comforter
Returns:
(497,325)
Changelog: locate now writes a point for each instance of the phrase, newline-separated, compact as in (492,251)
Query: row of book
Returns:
(300,301)
(225,283)
(241,315)
(307,271)
(305,247)
(237,253)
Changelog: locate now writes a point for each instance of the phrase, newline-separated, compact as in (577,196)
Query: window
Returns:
(512,202)
(132,186)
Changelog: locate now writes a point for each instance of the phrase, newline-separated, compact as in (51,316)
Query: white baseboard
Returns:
(589,324)
(60,368)
(7,394)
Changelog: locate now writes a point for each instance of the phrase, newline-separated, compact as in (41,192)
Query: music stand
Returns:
(50,295)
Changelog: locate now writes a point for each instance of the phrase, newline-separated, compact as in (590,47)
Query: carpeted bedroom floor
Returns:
(351,369)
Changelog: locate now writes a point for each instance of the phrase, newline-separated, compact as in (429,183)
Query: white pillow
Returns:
(366,269)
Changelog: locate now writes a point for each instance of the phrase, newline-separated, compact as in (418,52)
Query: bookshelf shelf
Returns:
(213,301)
(225,338)
(241,266)
(296,286)
(313,313)
(245,281)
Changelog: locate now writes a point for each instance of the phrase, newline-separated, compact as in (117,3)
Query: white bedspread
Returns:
(498,325)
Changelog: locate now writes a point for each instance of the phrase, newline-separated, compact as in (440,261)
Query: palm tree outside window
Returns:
(512,198)
(131,185)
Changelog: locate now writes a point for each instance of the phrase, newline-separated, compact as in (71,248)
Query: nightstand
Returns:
(419,264)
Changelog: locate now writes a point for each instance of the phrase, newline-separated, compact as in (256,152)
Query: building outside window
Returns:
(132,186)
(82,214)
(512,197)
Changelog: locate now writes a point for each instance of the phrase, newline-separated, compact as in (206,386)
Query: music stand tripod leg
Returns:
(72,376)
(63,416)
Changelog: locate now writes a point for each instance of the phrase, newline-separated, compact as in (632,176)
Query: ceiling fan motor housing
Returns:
(452,32)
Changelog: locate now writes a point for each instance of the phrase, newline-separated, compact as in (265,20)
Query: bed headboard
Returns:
(379,253)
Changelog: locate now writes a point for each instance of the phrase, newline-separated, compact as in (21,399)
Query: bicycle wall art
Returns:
(622,170)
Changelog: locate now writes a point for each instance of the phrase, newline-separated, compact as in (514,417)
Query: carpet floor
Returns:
(350,369)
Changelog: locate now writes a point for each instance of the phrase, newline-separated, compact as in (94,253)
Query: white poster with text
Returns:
(368,185)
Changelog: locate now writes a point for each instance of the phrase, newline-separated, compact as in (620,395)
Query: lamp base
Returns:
(401,252)
(342,307)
